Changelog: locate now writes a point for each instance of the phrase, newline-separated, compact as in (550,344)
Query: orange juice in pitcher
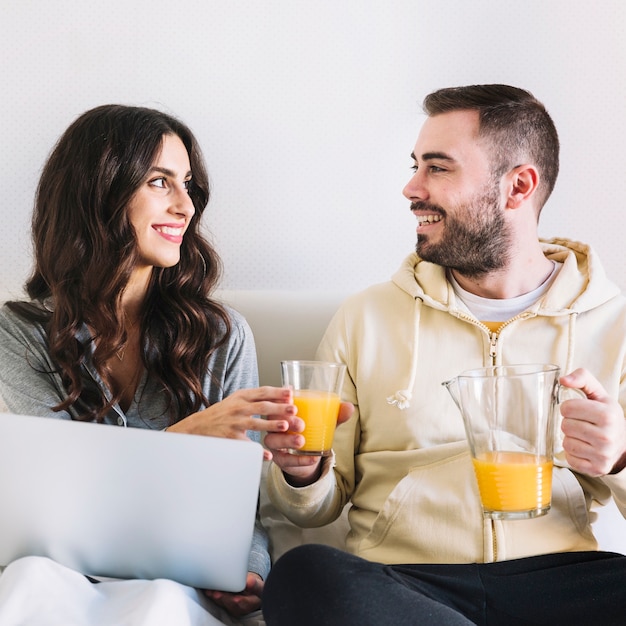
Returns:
(513,481)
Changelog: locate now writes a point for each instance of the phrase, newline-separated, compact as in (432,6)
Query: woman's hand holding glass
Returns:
(235,415)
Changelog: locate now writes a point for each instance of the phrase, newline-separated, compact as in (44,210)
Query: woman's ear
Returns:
(522,184)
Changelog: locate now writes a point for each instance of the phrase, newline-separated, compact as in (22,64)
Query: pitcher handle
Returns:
(563,390)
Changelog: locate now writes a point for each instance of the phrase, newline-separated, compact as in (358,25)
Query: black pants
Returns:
(322,586)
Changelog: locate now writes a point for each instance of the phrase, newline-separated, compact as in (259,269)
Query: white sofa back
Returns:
(286,324)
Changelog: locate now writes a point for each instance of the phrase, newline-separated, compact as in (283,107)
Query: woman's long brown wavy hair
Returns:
(85,250)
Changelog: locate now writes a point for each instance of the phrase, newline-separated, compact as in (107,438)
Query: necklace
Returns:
(120,353)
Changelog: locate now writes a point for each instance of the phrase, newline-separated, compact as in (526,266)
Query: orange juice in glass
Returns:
(316,393)
(319,410)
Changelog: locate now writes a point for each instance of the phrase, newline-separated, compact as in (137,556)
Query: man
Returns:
(480,290)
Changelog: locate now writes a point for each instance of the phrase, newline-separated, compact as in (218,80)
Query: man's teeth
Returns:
(428,219)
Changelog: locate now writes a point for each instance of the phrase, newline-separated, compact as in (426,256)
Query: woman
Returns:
(120,327)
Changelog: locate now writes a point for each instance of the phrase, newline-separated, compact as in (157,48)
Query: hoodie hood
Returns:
(581,285)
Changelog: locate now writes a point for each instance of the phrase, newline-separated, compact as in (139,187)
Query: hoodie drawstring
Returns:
(571,332)
(402,397)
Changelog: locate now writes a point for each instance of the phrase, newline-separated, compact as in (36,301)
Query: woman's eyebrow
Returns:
(167,171)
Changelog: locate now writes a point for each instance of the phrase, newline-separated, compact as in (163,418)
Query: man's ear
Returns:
(522,184)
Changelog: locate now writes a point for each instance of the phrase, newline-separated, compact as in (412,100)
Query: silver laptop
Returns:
(126,502)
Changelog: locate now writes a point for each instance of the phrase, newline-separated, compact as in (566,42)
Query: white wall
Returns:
(307,112)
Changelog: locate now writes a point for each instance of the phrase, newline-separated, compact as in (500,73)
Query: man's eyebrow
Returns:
(167,171)
(429,156)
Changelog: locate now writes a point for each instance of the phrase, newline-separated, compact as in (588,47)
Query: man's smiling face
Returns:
(458,204)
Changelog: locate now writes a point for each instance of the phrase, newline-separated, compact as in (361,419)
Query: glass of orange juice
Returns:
(509,413)
(317,395)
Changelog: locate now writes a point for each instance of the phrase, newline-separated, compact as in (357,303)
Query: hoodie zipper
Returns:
(493,336)
(493,342)
(493,353)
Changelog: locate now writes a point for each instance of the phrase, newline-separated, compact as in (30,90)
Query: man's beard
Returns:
(474,246)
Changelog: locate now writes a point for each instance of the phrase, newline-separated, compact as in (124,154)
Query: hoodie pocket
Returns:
(432,515)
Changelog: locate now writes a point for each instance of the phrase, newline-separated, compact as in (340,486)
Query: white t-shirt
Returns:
(501,310)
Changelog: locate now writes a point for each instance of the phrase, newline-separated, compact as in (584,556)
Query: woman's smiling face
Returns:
(161,209)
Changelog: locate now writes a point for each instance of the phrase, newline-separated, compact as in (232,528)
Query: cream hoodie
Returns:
(402,459)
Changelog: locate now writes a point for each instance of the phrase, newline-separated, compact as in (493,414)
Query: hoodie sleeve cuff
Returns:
(306,506)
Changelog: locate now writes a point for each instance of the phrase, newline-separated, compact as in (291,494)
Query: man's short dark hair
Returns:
(516,124)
